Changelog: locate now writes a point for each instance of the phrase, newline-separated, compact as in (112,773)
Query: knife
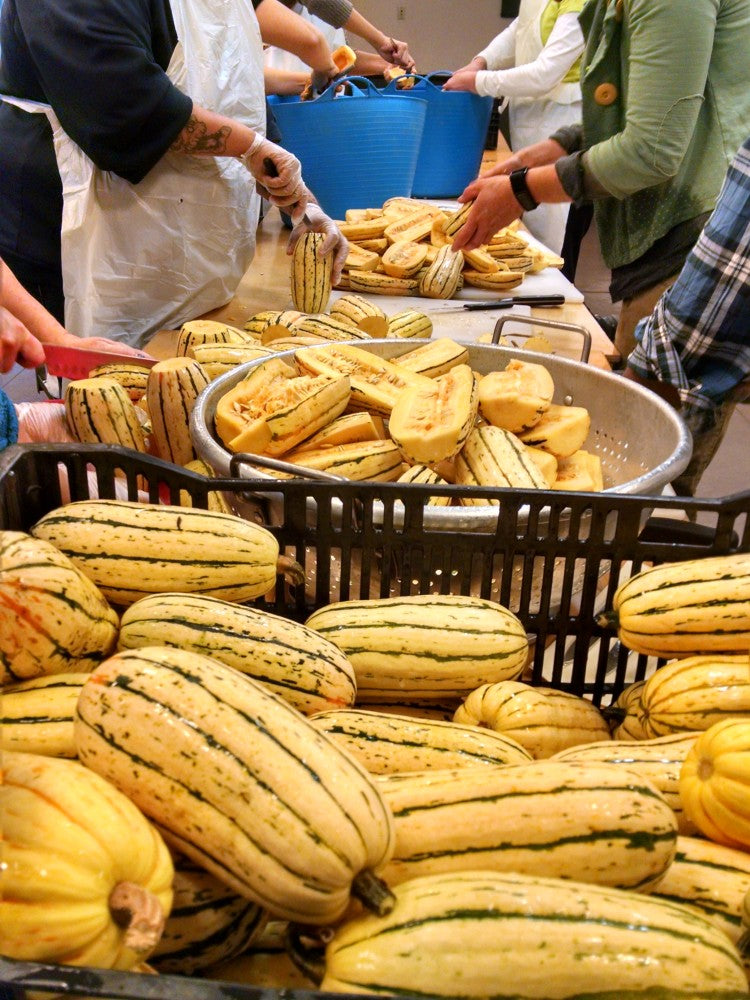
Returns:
(541,301)
(77,362)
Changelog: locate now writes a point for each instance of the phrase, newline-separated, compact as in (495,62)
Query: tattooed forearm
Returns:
(195,138)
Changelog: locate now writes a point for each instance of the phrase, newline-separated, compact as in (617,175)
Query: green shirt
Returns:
(681,112)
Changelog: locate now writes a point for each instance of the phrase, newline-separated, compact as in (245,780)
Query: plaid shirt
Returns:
(698,336)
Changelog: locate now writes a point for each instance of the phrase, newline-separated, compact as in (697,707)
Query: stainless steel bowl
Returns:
(642,442)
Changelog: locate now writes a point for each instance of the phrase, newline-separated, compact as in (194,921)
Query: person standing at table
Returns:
(694,348)
(127,132)
(666,104)
(333,18)
(533,65)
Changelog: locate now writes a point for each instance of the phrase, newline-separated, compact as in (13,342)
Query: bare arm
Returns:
(390,49)
(283,28)
(283,81)
(25,325)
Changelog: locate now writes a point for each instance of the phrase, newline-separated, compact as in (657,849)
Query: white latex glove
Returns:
(42,423)
(277,171)
(312,219)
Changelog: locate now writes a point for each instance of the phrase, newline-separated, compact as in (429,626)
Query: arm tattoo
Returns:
(195,138)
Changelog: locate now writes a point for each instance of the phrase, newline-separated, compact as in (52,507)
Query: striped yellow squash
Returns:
(131,375)
(296,663)
(53,619)
(266,964)
(715,783)
(409,323)
(431,423)
(659,760)
(482,934)
(492,456)
(131,549)
(36,716)
(624,714)
(208,923)
(87,880)
(206,331)
(589,822)
(711,878)
(376,383)
(387,743)
(311,274)
(693,693)
(685,608)
(238,780)
(172,389)
(101,410)
(543,720)
(424,647)
(434,358)
(442,278)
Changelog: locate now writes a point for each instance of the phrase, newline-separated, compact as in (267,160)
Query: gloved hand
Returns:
(42,423)
(312,219)
(277,171)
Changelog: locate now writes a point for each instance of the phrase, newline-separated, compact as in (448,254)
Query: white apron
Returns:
(137,258)
(532,119)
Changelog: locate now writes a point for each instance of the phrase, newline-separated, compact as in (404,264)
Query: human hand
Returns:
(537,155)
(397,52)
(494,208)
(321,79)
(462,79)
(106,345)
(17,345)
(477,64)
(315,220)
(277,171)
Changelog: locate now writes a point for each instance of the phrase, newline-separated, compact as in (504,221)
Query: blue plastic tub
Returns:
(356,150)
(453,139)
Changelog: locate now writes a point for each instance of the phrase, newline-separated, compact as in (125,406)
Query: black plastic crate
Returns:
(555,559)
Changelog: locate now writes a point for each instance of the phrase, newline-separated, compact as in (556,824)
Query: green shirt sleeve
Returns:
(670,52)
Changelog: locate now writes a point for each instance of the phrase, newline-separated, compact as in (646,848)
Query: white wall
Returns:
(442,34)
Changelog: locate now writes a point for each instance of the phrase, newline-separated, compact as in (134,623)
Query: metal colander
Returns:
(642,442)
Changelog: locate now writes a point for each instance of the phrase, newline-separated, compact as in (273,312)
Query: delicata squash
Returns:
(238,781)
(87,879)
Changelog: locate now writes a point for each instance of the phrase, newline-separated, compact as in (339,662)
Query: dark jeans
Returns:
(44,283)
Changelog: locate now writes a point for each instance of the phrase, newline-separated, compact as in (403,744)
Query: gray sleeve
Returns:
(577,180)
(333,12)
(570,137)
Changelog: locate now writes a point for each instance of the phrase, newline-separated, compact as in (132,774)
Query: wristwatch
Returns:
(520,189)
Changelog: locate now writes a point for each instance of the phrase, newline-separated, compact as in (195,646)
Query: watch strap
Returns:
(520,189)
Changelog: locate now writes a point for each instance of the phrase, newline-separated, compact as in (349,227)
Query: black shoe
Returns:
(608,324)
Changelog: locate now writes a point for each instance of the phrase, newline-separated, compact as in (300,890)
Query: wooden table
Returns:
(266,286)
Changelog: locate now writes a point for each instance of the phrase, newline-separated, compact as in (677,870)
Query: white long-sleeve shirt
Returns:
(503,78)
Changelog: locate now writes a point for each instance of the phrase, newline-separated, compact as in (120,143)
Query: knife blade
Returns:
(541,301)
(77,362)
